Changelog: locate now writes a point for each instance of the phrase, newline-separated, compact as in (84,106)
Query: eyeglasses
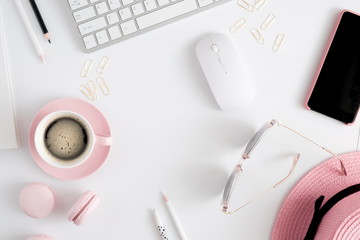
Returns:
(248,150)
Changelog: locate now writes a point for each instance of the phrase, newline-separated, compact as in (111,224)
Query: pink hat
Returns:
(341,221)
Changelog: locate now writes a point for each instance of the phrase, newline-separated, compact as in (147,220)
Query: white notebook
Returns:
(8,130)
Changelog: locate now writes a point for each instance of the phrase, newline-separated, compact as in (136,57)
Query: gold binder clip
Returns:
(257,35)
(86,68)
(239,24)
(268,21)
(278,42)
(103,86)
(103,65)
(246,5)
(259,4)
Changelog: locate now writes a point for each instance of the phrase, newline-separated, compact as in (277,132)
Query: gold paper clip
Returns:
(257,35)
(103,86)
(86,68)
(268,21)
(246,5)
(238,25)
(278,42)
(103,65)
(91,95)
(259,4)
(91,85)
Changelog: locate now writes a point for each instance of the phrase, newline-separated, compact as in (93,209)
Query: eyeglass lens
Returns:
(230,186)
(256,139)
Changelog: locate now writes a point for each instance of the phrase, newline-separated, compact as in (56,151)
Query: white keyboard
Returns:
(102,23)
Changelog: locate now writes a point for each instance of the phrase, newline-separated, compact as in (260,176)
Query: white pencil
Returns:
(174,217)
(160,226)
(30,30)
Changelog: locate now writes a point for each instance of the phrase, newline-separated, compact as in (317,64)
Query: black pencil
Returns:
(40,20)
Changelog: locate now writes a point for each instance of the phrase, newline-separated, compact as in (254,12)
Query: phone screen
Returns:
(337,89)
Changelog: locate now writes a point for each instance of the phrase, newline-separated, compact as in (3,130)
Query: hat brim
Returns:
(326,179)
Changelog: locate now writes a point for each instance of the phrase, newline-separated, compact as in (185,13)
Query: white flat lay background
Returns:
(169,135)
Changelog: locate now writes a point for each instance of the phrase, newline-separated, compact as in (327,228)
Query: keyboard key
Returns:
(163,2)
(89,41)
(137,9)
(75,4)
(166,13)
(126,2)
(93,1)
(128,27)
(114,32)
(125,13)
(84,14)
(150,5)
(114,4)
(112,18)
(101,8)
(92,25)
(203,3)
(102,37)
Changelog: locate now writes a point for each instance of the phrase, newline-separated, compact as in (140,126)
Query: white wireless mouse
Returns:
(225,72)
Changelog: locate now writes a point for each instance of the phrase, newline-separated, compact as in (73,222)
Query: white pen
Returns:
(174,217)
(30,30)
(160,226)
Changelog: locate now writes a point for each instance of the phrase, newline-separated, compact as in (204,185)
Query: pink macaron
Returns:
(83,207)
(37,200)
(40,237)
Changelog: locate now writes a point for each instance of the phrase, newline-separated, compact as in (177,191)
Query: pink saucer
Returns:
(99,124)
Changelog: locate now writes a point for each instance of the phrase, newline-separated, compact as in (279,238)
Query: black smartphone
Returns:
(335,91)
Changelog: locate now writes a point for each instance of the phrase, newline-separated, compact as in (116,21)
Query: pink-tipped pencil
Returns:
(174,217)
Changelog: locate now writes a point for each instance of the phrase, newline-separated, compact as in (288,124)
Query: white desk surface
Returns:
(168,132)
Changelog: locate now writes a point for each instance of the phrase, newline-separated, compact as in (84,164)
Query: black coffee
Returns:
(66,139)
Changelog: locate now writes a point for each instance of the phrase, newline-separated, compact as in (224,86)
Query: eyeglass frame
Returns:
(251,145)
